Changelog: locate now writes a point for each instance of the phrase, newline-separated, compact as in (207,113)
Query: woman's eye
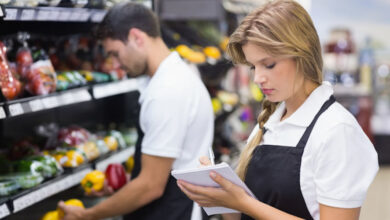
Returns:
(270,66)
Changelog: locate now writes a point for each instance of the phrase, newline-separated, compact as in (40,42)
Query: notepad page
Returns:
(201,176)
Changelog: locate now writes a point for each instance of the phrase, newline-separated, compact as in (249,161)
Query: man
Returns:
(176,119)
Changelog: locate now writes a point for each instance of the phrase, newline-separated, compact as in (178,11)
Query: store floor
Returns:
(377,202)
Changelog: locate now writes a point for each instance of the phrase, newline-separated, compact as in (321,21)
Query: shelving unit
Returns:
(26,198)
(90,105)
(87,93)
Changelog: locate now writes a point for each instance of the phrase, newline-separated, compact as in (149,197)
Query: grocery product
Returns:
(116,175)
(130,164)
(73,202)
(10,85)
(93,180)
(111,143)
(8,187)
(52,215)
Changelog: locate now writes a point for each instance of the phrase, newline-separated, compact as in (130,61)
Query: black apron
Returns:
(173,205)
(273,174)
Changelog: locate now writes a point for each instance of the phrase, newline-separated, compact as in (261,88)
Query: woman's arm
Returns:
(328,213)
(234,197)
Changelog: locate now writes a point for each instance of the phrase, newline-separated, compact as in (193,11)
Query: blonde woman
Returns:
(307,158)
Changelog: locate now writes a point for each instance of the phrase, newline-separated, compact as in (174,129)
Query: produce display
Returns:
(115,175)
(25,164)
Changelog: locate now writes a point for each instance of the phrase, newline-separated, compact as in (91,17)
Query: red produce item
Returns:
(10,85)
(116,176)
(73,136)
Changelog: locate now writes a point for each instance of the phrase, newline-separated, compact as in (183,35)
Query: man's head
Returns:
(125,31)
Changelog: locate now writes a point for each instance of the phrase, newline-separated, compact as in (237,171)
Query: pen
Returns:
(211,154)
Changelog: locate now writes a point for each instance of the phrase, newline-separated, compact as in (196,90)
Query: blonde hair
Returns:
(282,28)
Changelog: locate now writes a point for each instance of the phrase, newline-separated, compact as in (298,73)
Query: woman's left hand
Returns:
(229,195)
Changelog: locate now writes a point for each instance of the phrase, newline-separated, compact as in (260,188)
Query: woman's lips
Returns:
(267,91)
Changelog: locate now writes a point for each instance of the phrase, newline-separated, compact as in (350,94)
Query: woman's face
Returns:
(277,77)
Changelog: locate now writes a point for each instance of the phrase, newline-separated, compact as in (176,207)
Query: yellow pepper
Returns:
(52,215)
(111,143)
(74,159)
(212,52)
(73,202)
(130,164)
(93,180)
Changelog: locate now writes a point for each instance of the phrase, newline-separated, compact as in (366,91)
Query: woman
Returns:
(308,158)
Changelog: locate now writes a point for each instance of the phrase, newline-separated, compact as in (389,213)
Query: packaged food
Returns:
(10,85)
(8,187)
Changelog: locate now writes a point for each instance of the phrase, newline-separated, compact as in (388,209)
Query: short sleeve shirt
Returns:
(339,161)
(176,114)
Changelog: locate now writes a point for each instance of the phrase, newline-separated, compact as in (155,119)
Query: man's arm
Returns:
(148,186)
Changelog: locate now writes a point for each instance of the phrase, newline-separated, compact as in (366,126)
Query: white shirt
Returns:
(176,114)
(339,161)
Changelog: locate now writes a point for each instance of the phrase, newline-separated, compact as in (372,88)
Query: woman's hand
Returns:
(229,195)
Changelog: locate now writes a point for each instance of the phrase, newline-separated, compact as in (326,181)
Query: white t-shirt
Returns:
(339,161)
(176,114)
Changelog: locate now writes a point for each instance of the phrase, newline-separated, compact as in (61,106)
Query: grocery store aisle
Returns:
(377,202)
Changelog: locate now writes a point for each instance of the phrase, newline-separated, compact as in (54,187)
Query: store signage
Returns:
(27,15)
(2,113)
(36,105)
(16,109)
(11,14)
(4,211)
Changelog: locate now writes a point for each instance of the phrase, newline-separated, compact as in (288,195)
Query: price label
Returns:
(27,15)
(83,96)
(85,16)
(98,16)
(64,16)
(36,105)
(75,16)
(2,113)
(50,102)
(67,98)
(53,15)
(1,11)
(16,109)
(11,14)
(4,211)
(43,15)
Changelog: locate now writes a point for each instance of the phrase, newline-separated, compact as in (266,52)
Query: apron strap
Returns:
(302,142)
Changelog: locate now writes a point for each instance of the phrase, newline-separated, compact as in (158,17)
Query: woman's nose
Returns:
(259,78)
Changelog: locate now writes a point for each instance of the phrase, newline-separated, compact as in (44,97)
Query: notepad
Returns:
(201,177)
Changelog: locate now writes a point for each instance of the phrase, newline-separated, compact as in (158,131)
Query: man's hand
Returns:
(106,191)
(72,212)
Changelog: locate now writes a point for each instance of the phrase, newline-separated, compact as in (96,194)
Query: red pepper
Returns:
(116,175)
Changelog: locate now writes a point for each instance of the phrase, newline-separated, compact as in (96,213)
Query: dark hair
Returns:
(124,16)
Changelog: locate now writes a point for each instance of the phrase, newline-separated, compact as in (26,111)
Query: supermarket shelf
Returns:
(4,211)
(2,112)
(53,14)
(29,197)
(47,189)
(115,88)
(38,103)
